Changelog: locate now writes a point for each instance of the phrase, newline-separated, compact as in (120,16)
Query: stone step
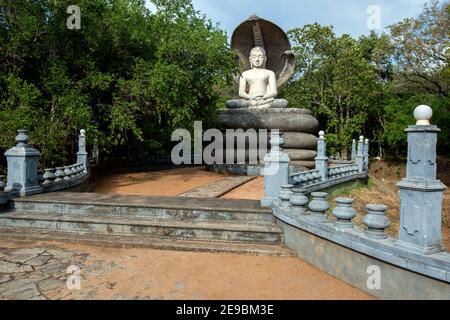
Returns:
(155,228)
(26,234)
(146,207)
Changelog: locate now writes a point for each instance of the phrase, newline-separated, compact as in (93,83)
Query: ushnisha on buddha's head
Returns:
(258,58)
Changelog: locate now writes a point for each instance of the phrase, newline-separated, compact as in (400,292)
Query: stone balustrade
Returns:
(326,175)
(307,178)
(314,217)
(60,174)
(276,171)
(24,178)
(418,246)
(342,171)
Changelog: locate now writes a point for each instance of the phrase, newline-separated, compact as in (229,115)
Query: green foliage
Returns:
(335,80)
(422,51)
(371,85)
(128,76)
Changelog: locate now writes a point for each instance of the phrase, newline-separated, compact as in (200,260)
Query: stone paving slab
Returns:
(45,270)
(218,188)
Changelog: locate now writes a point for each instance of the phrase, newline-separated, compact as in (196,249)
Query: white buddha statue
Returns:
(261,84)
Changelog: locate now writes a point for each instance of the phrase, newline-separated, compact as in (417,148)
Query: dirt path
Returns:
(158,183)
(173,183)
(139,273)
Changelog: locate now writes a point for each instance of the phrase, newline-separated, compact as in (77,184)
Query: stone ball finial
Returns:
(322,135)
(367,141)
(83,132)
(361,138)
(22,137)
(423,114)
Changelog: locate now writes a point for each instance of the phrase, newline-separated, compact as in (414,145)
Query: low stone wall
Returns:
(414,265)
(355,267)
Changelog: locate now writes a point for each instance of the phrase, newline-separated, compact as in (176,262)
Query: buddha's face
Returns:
(257,58)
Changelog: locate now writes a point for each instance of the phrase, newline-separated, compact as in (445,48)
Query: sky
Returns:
(347,16)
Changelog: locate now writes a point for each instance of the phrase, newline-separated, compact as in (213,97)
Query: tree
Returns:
(128,76)
(421,75)
(372,85)
(422,50)
(335,80)
(378,51)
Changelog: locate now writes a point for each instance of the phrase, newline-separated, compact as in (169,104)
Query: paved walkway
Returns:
(38,270)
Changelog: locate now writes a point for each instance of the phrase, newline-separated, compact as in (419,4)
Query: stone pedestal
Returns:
(298,126)
(318,206)
(376,221)
(360,155)
(353,156)
(421,194)
(322,159)
(276,170)
(22,167)
(82,155)
(344,213)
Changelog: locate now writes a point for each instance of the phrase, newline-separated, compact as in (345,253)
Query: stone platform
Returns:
(199,224)
(283,119)
(299,130)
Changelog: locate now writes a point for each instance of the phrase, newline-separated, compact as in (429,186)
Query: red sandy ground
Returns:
(206,275)
(157,183)
(141,273)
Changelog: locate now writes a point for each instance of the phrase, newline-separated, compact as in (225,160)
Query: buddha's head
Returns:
(258,58)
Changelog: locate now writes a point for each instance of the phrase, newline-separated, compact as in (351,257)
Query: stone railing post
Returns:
(353,150)
(22,167)
(299,200)
(318,206)
(366,155)
(360,155)
(421,194)
(285,196)
(322,159)
(49,176)
(96,152)
(3,196)
(276,169)
(376,221)
(82,155)
(344,213)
